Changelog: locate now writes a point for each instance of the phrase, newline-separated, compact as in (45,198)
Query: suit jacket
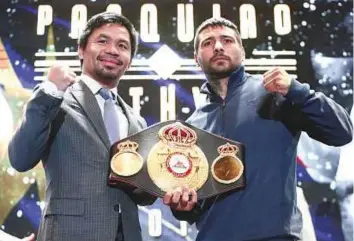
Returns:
(69,136)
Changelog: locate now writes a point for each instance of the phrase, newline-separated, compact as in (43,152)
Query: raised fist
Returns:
(61,76)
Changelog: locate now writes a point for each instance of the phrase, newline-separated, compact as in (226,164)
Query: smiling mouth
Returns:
(110,61)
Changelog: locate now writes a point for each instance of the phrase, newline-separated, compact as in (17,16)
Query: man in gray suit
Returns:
(68,126)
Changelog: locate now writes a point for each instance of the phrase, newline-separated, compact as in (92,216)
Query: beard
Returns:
(219,71)
(108,75)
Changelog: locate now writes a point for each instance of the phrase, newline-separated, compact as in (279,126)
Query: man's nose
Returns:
(218,47)
(112,49)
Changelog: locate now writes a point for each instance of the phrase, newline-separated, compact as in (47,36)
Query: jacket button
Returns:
(116,208)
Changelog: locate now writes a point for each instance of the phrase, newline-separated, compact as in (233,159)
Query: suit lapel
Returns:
(88,102)
(133,125)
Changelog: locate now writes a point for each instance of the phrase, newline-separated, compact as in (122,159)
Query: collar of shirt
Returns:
(236,79)
(95,86)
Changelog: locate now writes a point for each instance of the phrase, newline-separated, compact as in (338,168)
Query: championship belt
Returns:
(169,154)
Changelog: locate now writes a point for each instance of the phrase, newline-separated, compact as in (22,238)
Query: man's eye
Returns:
(207,43)
(123,46)
(102,41)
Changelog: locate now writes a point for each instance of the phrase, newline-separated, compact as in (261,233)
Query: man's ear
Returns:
(196,59)
(243,54)
(80,52)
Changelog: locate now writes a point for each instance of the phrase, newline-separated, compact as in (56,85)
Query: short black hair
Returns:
(213,22)
(103,18)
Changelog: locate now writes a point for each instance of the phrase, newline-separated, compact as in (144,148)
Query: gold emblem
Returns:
(127,162)
(227,168)
(176,159)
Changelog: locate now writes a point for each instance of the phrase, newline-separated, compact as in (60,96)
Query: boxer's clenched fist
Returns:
(277,80)
(61,76)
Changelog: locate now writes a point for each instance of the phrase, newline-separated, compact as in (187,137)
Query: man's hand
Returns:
(29,238)
(277,80)
(61,76)
(181,199)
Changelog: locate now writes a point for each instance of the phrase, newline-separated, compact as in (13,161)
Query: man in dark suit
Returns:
(70,126)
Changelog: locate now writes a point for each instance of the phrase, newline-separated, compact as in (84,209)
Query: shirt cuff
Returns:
(51,89)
